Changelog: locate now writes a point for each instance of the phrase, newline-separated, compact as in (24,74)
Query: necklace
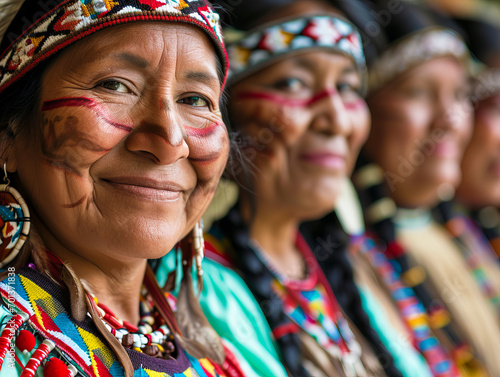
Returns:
(152,336)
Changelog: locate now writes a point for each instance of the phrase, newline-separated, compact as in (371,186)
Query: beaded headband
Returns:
(412,50)
(25,46)
(255,49)
(486,84)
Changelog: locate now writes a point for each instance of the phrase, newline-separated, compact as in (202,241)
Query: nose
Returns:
(331,117)
(451,114)
(159,134)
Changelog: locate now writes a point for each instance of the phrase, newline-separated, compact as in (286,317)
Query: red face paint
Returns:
(83,102)
(202,132)
(355,105)
(75,204)
(290,102)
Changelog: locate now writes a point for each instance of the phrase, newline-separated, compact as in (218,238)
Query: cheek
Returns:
(360,119)
(268,125)
(77,132)
(208,151)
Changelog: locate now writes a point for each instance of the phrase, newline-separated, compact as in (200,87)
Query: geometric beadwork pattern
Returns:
(79,343)
(415,49)
(250,51)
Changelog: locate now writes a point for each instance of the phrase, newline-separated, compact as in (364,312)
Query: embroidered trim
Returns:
(412,50)
(256,48)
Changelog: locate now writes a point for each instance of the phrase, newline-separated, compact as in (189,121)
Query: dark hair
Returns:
(329,243)
(482,38)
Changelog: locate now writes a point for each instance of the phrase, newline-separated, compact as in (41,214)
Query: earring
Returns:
(14,221)
(199,250)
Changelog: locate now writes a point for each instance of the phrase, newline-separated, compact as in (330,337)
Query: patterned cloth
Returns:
(412,50)
(410,307)
(477,253)
(25,47)
(248,53)
(78,343)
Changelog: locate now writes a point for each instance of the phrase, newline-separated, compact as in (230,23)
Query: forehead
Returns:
(318,62)
(146,44)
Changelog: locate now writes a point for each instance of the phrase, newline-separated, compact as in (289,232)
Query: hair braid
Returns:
(259,279)
(338,271)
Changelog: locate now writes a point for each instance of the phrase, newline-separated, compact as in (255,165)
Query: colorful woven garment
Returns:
(475,249)
(79,345)
(25,46)
(309,303)
(411,309)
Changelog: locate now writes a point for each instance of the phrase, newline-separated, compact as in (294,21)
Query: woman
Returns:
(112,132)
(479,190)
(294,98)
(420,126)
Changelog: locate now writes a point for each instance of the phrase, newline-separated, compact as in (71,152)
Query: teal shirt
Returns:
(235,315)
(406,358)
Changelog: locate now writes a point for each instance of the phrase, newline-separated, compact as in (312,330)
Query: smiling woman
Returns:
(116,141)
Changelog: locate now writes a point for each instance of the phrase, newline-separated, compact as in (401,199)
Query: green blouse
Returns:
(235,315)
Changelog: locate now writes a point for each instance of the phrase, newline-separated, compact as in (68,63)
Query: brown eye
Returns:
(194,101)
(289,84)
(115,86)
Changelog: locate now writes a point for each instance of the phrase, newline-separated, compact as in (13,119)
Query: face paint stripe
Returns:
(75,204)
(358,104)
(281,100)
(202,132)
(83,102)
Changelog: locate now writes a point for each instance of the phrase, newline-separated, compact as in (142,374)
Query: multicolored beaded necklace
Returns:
(311,304)
(153,335)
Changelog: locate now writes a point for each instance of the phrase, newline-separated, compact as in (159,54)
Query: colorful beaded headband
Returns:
(70,20)
(413,50)
(486,84)
(257,48)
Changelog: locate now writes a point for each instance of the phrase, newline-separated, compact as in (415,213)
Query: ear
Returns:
(8,149)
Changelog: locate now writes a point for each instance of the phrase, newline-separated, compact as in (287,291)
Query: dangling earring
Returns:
(14,221)
(199,251)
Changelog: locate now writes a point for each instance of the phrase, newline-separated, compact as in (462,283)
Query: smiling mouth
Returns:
(147,189)
(326,160)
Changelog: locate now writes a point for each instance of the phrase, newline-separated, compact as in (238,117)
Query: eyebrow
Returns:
(203,77)
(133,59)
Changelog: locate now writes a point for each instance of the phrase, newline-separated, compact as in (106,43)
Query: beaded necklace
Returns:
(151,336)
(311,304)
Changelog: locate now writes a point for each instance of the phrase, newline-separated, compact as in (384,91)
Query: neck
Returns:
(275,230)
(115,283)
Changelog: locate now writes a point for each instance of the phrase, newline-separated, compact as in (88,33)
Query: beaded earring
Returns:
(198,247)
(14,221)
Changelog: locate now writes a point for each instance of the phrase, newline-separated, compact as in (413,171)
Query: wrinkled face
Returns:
(421,123)
(129,144)
(480,184)
(303,122)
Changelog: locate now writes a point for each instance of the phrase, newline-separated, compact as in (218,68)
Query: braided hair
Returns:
(329,244)
(259,279)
